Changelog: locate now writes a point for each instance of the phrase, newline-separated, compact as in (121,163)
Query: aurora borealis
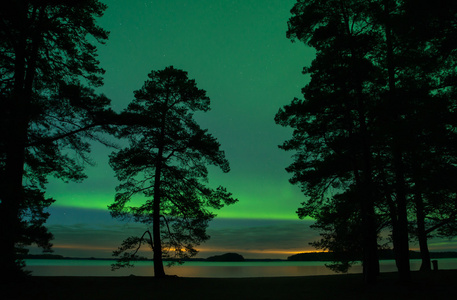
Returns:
(238,52)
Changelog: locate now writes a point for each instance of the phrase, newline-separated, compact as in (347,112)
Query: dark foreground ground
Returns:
(434,285)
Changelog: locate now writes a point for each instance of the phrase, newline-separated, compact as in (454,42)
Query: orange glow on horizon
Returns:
(258,251)
(262,252)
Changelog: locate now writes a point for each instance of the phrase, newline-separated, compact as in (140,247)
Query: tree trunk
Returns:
(12,190)
(370,233)
(12,197)
(420,217)
(369,228)
(17,118)
(156,232)
(422,234)
(158,262)
(402,241)
(401,232)
(370,245)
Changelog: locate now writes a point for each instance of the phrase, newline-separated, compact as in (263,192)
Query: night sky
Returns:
(238,52)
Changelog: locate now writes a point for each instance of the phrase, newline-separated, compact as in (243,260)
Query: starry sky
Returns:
(238,52)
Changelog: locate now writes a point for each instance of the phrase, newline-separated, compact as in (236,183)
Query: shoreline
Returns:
(209,269)
(427,285)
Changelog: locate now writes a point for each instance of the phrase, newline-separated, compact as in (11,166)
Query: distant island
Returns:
(383,255)
(226,257)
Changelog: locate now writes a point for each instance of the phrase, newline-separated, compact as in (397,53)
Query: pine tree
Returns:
(166,162)
(380,100)
(48,68)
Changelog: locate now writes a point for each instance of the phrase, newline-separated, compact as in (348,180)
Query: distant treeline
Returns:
(383,255)
(311,256)
(41,256)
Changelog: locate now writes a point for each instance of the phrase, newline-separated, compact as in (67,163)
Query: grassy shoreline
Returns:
(442,284)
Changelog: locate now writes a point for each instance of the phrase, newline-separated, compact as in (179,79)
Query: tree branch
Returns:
(58,137)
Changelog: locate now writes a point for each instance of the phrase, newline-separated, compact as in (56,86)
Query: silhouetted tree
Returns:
(32,219)
(166,162)
(46,60)
(338,222)
(376,115)
(332,124)
(419,63)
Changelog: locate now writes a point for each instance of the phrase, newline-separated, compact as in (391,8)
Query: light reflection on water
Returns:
(43,267)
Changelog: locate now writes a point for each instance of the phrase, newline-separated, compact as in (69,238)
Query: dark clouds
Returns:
(93,233)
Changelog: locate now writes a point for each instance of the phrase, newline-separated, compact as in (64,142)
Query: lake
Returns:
(64,267)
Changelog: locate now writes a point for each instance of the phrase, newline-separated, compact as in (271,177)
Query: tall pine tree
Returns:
(48,66)
(165,165)
(379,102)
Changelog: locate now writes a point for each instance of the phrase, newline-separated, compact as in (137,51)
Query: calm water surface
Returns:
(63,267)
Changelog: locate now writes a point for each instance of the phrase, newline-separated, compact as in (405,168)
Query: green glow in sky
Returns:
(260,207)
(238,52)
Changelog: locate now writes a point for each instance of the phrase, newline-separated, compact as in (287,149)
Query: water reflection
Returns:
(206,269)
